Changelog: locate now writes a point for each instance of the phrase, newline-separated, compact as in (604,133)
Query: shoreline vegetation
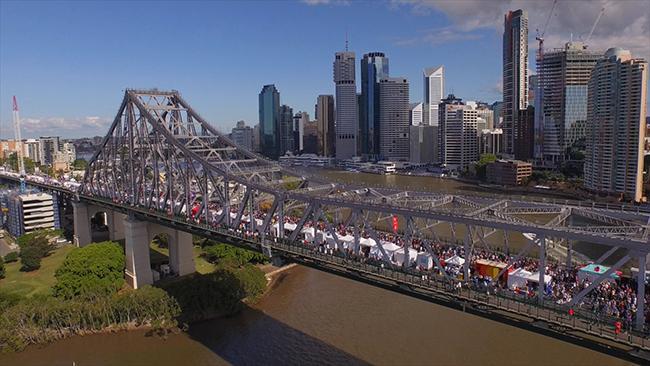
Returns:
(89,299)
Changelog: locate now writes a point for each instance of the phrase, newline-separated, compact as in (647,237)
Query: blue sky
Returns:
(69,62)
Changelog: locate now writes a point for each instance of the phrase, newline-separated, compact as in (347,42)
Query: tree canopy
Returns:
(94,270)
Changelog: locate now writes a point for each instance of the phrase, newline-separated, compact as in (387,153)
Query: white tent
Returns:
(425,260)
(455,260)
(534,277)
(309,233)
(287,226)
(389,248)
(400,257)
(367,242)
(518,278)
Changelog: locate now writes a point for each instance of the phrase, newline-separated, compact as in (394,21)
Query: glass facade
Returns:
(575,114)
(374,67)
(269,112)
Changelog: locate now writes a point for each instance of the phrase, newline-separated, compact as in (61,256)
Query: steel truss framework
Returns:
(160,155)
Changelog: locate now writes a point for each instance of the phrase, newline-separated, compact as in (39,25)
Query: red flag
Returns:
(395,224)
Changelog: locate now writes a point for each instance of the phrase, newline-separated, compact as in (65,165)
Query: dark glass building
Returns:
(269,109)
(374,67)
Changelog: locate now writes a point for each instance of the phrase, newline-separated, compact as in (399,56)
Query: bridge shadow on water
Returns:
(255,338)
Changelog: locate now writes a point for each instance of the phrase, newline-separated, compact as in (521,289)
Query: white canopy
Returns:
(367,242)
(400,258)
(455,260)
(425,260)
(389,248)
(518,278)
(309,233)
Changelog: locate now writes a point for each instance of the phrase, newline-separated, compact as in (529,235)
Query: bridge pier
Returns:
(115,225)
(82,235)
(181,256)
(138,264)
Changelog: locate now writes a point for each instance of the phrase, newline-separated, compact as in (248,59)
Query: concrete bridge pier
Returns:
(82,235)
(181,256)
(115,225)
(138,264)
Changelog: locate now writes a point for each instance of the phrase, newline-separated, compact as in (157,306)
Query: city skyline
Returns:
(66,96)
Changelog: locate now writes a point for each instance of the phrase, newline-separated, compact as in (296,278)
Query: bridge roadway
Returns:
(520,310)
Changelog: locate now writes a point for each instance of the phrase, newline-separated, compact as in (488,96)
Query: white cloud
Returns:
(62,126)
(325,2)
(624,24)
(437,36)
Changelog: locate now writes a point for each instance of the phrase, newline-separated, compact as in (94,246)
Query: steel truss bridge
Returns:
(162,162)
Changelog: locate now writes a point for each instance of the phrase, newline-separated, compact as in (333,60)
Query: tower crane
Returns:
(593,27)
(539,95)
(18,140)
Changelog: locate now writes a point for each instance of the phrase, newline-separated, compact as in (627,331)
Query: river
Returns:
(312,317)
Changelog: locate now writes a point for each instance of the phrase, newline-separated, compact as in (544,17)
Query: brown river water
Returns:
(311,317)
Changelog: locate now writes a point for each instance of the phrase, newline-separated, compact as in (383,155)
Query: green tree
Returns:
(80,164)
(481,165)
(30,258)
(11,257)
(225,252)
(94,270)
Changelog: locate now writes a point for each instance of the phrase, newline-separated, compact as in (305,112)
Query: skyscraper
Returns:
(300,120)
(562,109)
(616,128)
(374,67)
(434,91)
(459,133)
(347,114)
(394,115)
(515,74)
(269,110)
(325,120)
(286,129)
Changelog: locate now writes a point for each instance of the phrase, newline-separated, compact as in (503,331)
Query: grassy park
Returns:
(39,282)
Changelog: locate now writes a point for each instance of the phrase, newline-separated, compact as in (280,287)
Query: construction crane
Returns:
(19,146)
(539,95)
(593,27)
(540,37)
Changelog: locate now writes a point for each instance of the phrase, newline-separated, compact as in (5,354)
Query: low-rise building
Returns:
(30,212)
(508,172)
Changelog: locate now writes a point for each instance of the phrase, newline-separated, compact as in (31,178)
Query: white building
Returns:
(459,133)
(490,141)
(615,131)
(434,91)
(242,135)
(347,112)
(416,114)
(394,116)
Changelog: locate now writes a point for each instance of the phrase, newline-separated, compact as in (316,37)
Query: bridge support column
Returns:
(640,293)
(542,269)
(181,257)
(82,234)
(115,225)
(138,265)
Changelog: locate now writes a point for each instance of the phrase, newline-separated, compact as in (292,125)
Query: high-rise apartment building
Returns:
(242,135)
(325,121)
(525,134)
(560,118)
(286,129)
(50,146)
(374,67)
(459,133)
(347,114)
(394,115)
(515,74)
(616,112)
(33,150)
(300,119)
(269,111)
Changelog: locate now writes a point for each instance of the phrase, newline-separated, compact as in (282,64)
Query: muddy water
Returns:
(312,317)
